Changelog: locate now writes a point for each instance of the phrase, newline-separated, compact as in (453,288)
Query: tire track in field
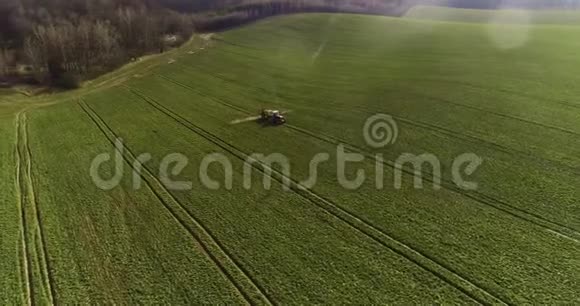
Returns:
(502,90)
(440,100)
(477,196)
(488,144)
(426,262)
(26,273)
(37,254)
(464,137)
(46,264)
(227,42)
(208,244)
(498,114)
(505,91)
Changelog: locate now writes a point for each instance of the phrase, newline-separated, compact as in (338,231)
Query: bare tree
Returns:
(126,24)
(3,65)
(106,42)
(85,44)
(36,58)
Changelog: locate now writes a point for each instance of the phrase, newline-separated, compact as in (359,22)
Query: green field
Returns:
(450,87)
(504,16)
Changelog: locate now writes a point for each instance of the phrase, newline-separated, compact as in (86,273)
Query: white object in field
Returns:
(247,119)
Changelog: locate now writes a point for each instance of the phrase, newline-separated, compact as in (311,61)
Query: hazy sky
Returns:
(505,3)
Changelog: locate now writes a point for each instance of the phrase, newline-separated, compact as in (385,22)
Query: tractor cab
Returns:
(273,117)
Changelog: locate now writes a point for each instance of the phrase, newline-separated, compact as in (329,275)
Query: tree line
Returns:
(62,41)
(253,10)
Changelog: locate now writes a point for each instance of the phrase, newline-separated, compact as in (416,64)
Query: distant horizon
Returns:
(503,4)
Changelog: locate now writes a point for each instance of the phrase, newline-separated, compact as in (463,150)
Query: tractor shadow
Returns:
(265,123)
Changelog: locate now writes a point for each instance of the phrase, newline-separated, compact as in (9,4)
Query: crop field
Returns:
(505,16)
(451,88)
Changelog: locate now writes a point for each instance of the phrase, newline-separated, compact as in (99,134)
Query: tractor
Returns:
(273,117)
